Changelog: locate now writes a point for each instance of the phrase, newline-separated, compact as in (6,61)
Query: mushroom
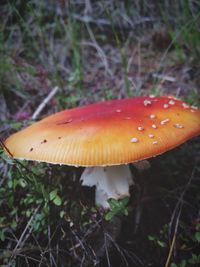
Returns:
(105,137)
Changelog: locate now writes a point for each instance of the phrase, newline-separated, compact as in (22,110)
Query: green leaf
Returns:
(125,201)
(13,225)
(151,238)
(117,206)
(57,201)
(109,215)
(23,183)
(183,263)
(53,194)
(113,203)
(161,243)
(55,197)
(62,213)
(16,125)
(2,236)
(197,236)
(125,212)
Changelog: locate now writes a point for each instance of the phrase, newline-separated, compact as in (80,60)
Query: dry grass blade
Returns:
(176,217)
(24,236)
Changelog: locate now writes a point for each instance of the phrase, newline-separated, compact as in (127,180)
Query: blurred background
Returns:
(76,52)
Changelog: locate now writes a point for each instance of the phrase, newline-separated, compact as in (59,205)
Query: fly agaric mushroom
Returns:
(105,137)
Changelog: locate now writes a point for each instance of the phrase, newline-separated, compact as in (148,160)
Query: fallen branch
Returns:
(44,102)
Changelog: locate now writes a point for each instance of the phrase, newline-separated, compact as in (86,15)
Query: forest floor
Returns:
(95,52)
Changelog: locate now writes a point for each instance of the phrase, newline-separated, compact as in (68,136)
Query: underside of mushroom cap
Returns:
(108,133)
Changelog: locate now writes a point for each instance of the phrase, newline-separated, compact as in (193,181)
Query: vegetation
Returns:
(97,50)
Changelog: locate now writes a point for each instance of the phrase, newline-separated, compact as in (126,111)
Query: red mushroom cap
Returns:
(108,133)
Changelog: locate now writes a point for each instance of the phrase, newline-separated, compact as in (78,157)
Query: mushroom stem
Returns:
(110,182)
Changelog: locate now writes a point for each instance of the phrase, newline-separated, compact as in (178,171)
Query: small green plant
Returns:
(183,263)
(194,260)
(186,238)
(26,198)
(196,235)
(157,241)
(160,239)
(117,207)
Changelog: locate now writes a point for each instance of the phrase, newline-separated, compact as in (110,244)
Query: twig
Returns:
(108,236)
(164,77)
(23,236)
(179,206)
(21,241)
(5,148)
(7,253)
(106,250)
(173,239)
(44,102)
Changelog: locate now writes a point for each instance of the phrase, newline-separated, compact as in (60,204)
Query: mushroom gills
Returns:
(110,182)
